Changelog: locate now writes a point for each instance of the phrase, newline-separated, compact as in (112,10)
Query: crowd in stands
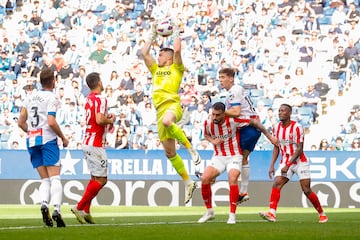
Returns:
(303,52)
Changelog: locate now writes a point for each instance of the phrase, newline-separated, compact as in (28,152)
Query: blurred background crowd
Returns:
(305,53)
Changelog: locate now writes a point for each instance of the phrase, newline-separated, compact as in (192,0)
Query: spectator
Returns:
(100,26)
(306,52)
(5,62)
(65,74)
(36,20)
(148,86)
(150,142)
(114,80)
(322,88)
(137,139)
(199,115)
(355,145)
(138,95)
(185,119)
(50,46)
(296,98)
(111,97)
(124,123)
(341,64)
(339,144)
(37,49)
(206,101)
(311,99)
(270,120)
(148,115)
(134,118)
(121,140)
(353,13)
(128,82)
(210,87)
(99,56)
(324,145)
(128,6)
(312,25)
(63,44)
(193,105)
(73,56)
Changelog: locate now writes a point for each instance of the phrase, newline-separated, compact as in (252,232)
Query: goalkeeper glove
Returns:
(152,34)
(176,25)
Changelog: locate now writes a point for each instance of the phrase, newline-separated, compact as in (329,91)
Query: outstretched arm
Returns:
(145,51)
(177,42)
(234,111)
(256,123)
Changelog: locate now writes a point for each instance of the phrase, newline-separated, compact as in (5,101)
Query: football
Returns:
(164,28)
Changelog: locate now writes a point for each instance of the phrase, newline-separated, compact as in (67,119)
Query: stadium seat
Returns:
(2,14)
(133,15)
(254,93)
(306,116)
(328,11)
(324,20)
(267,102)
(305,111)
(139,7)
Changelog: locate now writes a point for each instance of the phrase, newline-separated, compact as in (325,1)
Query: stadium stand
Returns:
(258,38)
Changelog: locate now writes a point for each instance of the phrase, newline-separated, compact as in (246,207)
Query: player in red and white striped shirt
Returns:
(290,135)
(221,131)
(97,118)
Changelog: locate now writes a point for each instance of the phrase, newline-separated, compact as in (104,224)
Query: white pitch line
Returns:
(122,224)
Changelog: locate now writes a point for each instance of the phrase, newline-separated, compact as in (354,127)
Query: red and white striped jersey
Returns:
(227,132)
(288,137)
(95,133)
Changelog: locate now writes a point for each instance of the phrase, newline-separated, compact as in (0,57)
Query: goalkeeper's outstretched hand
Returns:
(176,24)
(153,33)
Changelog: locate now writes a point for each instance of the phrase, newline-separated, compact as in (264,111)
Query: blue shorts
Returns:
(47,154)
(249,136)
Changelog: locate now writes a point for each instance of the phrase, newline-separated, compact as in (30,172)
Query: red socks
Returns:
(91,191)
(315,202)
(234,195)
(206,195)
(274,198)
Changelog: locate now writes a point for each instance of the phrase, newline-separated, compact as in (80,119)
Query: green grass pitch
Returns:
(166,223)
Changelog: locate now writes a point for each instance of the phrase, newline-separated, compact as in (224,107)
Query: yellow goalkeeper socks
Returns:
(179,166)
(179,135)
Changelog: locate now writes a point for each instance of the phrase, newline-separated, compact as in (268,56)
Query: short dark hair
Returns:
(287,105)
(92,80)
(46,77)
(219,106)
(166,49)
(230,72)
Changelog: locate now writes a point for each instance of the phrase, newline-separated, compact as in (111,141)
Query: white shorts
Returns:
(96,160)
(302,169)
(227,163)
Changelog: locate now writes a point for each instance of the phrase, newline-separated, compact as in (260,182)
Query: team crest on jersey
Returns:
(231,96)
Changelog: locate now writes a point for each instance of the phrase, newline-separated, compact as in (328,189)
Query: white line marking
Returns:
(124,224)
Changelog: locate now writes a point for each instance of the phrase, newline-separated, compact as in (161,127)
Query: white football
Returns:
(165,28)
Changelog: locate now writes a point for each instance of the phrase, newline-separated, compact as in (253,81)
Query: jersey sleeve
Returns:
(101,106)
(235,96)
(52,106)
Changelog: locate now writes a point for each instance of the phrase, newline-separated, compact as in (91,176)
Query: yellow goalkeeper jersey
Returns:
(166,83)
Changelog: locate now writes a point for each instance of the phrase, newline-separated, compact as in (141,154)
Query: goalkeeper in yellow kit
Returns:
(167,76)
